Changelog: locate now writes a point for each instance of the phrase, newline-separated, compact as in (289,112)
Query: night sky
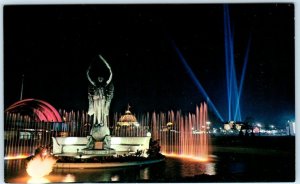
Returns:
(54,45)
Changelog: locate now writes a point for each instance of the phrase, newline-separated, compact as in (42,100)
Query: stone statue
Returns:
(100,94)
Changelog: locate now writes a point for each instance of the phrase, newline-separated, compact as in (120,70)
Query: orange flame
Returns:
(38,167)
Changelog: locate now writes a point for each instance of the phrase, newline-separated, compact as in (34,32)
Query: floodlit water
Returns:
(177,133)
(223,167)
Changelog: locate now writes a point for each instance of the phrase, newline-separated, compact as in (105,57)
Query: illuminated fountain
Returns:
(178,134)
(83,139)
(183,135)
(28,124)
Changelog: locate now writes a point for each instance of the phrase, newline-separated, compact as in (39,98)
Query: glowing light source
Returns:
(70,140)
(187,157)
(256,130)
(16,157)
(38,167)
(115,178)
(227,127)
(116,140)
(169,124)
(38,180)
(69,178)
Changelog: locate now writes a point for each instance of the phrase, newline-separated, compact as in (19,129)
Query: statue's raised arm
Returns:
(100,94)
(88,76)
(110,72)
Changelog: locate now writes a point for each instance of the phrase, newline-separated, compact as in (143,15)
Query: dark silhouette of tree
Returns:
(154,148)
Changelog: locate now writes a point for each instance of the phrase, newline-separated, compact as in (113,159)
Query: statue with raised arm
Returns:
(100,94)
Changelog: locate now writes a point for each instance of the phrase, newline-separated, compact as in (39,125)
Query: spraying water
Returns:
(183,135)
(178,134)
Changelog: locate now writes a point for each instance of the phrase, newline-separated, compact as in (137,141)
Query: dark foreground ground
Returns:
(286,143)
(252,159)
(247,159)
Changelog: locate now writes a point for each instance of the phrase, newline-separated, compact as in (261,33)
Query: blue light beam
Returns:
(243,75)
(196,81)
(233,91)
(227,58)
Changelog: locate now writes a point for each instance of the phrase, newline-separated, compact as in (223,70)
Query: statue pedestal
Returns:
(99,152)
(99,138)
(99,145)
(99,133)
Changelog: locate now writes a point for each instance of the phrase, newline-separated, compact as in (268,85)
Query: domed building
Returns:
(128,126)
(27,118)
(127,119)
(29,123)
(36,110)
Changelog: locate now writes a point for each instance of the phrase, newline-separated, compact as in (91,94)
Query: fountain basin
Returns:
(74,145)
(106,165)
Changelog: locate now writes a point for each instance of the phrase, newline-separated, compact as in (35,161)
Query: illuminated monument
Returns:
(85,135)
(99,142)
(100,95)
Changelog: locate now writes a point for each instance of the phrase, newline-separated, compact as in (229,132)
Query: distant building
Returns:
(28,118)
(127,119)
(128,126)
(291,128)
(232,125)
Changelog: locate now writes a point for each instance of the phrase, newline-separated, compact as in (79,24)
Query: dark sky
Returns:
(54,45)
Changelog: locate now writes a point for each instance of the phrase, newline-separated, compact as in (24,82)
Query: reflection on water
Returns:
(170,169)
(190,167)
(224,167)
(69,178)
(38,180)
(237,167)
(144,173)
(115,178)
(210,169)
